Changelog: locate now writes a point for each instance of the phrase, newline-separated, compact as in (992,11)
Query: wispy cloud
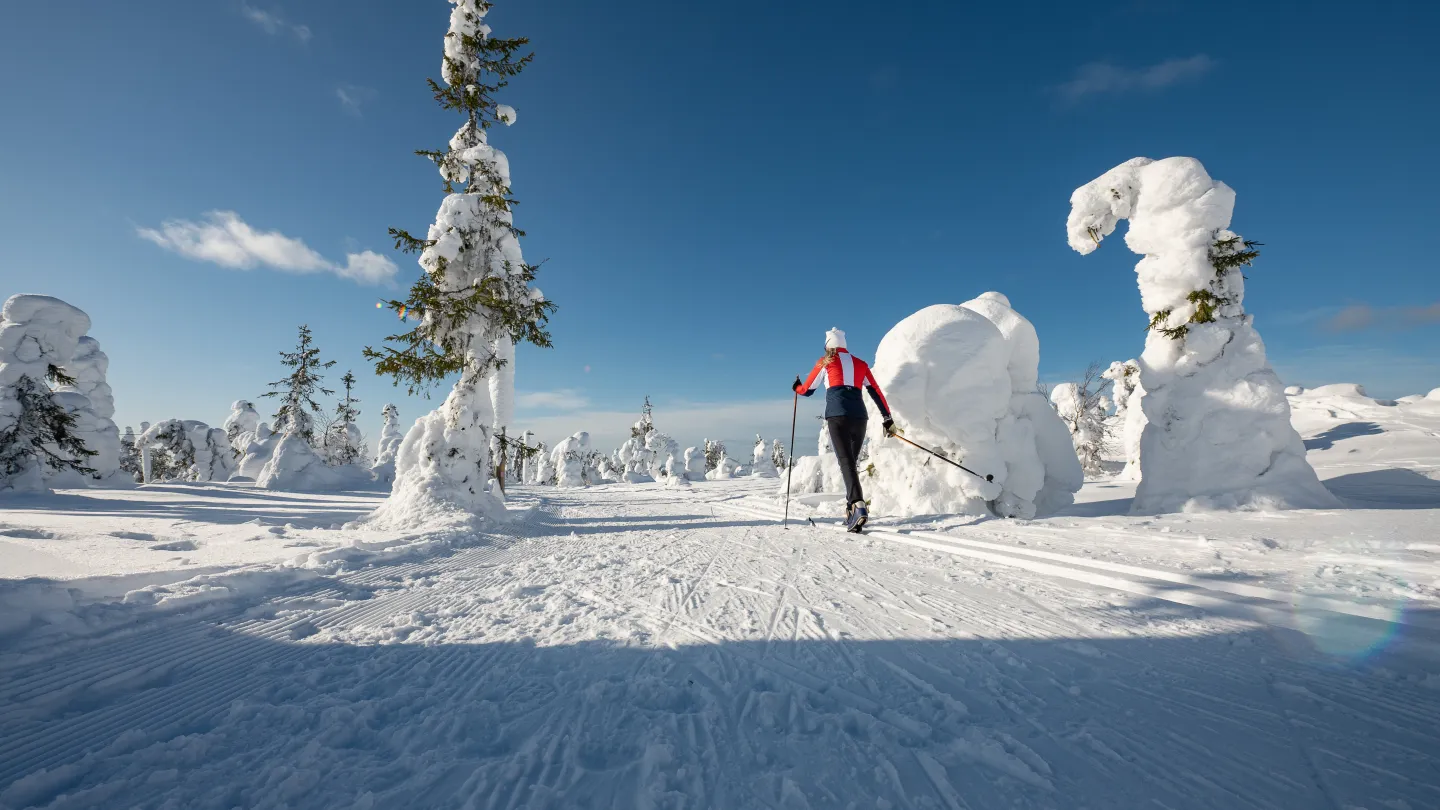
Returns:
(1357,317)
(225,239)
(564,399)
(1104,78)
(275,24)
(353,97)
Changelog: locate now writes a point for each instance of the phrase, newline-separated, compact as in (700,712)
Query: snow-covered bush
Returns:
(257,450)
(1129,418)
(243,420)
(295,466)
(568,460)
(1218,430)
(725,468)
(714,451)
(762,459)
(39,436)
(186,450)
(342,442)
(1085,410)
(695,464)
(961,379)
(542,466)
(676,476)
(130,456)
(473,296)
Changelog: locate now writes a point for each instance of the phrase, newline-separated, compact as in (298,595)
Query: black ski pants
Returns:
(847,434)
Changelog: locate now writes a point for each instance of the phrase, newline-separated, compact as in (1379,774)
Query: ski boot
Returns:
(855,516)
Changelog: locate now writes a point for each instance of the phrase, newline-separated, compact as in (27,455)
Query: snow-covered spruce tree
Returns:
(777,455)
(475,291)
(1218,430)
(38,435)
(185,450)
(714,451)
(130,456)
(297,391)
(1128,423)
(389,445)
(1085,410)
(343,443)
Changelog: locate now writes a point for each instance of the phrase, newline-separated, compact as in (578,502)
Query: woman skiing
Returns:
(843,375)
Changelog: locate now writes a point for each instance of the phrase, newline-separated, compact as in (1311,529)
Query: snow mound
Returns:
(1338,390)
(1218,431)
(1434,395)
(295,466)
(952,375)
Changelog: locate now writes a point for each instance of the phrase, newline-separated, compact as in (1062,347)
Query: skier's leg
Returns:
(840,432)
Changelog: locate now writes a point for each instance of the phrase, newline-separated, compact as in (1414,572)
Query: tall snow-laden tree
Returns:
(38,435)
(297,391)
(474,295)
(390,435)
(777,455)
(94,409)
(1218,429)
(130,456)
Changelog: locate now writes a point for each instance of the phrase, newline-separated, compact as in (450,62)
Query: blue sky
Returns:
(712,186)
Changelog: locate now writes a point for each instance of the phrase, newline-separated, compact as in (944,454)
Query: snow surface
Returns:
(218,646)
(1217,432)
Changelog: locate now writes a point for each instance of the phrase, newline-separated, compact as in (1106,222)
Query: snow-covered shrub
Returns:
(695,464)
(1085,410)
(40,437)
(762,463)
(568,460)
(725,468)
(186,450)
(662,450)
(342,442)
(777,455)
(961,379)
(130,456)
(295,466)
(390,439)
(1129,418)
(714,451)
(1218,430)
(474,294)
(243,420)
(542,466)
(257,450)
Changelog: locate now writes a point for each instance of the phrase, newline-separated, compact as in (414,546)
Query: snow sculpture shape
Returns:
(761,463)
(389,444)
(258,448)
(1218,430)
(695,463)
(961,379)
(568,459)
(242,422)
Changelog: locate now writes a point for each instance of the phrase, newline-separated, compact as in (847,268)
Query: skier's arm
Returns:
(808,387)
(874,390)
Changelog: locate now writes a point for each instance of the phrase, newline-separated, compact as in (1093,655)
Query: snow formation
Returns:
(243,421)
(295,466)
(37,332)
(389,444)
(762,464)
(256,450)
(960,379)
(695,463)
(1218,432)
(568,460)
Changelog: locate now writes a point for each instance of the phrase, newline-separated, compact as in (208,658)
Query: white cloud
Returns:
(273,23)
(225,239)
(564,399)
(353,97)
(1364,316)
(690,424)
(1100,78)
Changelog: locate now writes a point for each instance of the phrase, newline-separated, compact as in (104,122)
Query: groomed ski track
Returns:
(642,647)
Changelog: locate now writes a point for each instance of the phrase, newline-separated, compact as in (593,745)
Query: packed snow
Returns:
(215,645)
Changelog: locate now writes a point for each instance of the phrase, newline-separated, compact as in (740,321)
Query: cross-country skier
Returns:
(843,375)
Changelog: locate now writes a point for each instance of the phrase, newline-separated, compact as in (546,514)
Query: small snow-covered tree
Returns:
(474,294)
(761,459)
(342,442)
(243,419)
(89,398)
(298,389)
(390,436)
(1129,419)
(42,433)
(1218,427)
(1084,409)
(714,451)
(695,464)
(186,450)
(777,455)
(130,456)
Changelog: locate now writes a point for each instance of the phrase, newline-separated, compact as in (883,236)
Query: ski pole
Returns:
(988,478)
(790,469)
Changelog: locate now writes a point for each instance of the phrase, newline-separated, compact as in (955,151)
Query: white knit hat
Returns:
(835,339)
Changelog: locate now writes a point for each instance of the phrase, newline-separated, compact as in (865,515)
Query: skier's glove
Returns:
(889,425)
(795,386)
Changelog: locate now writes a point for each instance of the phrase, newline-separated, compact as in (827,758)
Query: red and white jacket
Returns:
(842,379)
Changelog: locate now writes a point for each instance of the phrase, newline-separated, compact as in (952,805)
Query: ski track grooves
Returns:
(740,650)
